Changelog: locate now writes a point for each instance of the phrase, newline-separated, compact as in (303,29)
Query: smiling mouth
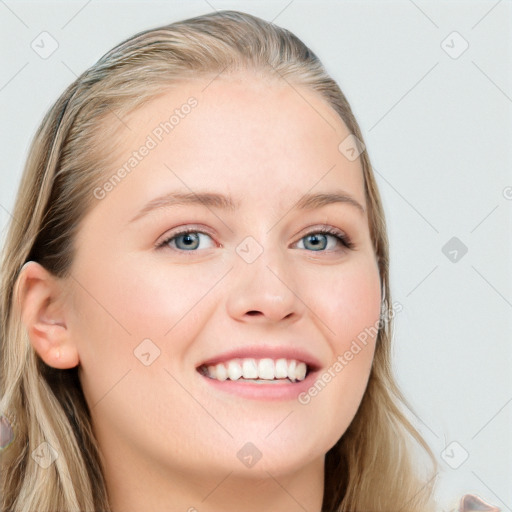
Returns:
(259,371)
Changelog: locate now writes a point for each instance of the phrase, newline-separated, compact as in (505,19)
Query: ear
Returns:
(42,301)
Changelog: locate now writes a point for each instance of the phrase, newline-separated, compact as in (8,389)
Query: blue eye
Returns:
(318,241)
(185,240)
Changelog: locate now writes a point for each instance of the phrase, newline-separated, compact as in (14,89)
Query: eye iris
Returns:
(191,240)
(316,240)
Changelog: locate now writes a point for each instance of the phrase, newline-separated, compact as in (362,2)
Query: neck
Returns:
(133,488)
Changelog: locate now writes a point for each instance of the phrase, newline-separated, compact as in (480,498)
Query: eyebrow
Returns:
(222,202)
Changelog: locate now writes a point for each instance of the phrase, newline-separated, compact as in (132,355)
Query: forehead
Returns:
(240,134)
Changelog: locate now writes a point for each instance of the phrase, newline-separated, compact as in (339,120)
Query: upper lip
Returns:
(265,351)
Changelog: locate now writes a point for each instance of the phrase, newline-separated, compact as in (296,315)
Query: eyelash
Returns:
(326,230)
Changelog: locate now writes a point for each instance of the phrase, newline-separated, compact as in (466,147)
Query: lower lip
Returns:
(261,391)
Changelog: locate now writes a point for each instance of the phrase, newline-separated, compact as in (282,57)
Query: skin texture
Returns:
(169,441)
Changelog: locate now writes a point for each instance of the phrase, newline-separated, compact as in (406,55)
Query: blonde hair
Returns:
(369,468)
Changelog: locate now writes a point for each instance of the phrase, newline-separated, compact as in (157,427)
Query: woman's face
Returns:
(254,279)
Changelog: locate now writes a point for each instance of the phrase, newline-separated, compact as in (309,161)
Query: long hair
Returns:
(370,468)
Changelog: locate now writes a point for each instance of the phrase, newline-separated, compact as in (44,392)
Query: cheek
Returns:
(145,299)
(127,303)
(349,301)
(170,304)
(122,307)
(350,312)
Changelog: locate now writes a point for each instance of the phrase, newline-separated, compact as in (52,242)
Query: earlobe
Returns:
(42,305)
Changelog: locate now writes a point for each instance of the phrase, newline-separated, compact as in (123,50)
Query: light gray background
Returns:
(438,130)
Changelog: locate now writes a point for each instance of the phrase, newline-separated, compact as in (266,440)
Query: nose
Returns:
(264,291)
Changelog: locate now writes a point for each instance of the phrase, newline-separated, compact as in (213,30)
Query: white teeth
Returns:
(291,369)
(281,370)
(221,372)
(266,369)
(252,369)
(249,369)
(300,371)
(234,370)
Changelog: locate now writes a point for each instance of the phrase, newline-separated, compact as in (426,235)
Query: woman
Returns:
(196,309)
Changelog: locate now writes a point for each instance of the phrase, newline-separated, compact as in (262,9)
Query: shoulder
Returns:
(473,503)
